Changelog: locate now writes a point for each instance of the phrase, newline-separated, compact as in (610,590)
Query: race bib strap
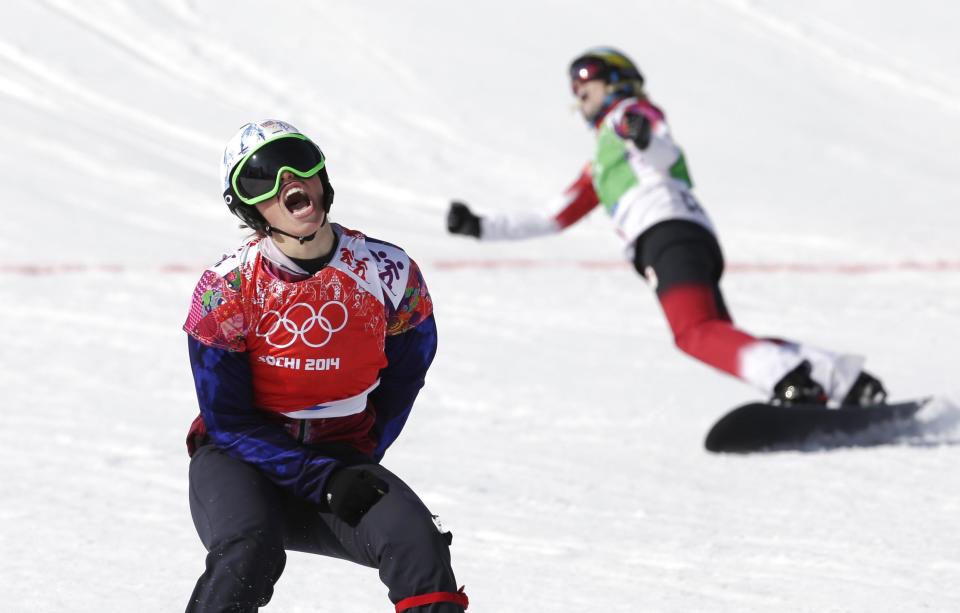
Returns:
(336,408)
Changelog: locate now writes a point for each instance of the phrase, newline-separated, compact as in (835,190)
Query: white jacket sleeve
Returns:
(565,210)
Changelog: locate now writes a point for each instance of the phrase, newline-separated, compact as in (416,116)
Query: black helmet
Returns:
(610,66)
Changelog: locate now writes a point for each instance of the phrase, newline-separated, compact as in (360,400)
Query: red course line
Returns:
(854,268)
(851,268)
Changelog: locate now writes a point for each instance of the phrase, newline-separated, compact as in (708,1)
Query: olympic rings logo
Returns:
(315,330)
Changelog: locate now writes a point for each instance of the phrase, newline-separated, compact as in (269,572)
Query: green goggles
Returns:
(257,176)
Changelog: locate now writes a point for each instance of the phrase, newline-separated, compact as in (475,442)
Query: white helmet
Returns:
(248,137)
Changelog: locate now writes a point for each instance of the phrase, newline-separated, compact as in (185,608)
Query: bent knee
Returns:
(688,339)
(417,540)
(250,555)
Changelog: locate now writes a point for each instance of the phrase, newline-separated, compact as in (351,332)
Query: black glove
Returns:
(352,491)
(636,127)
(461,220)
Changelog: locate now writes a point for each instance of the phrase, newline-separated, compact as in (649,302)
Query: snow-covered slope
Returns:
(560,432)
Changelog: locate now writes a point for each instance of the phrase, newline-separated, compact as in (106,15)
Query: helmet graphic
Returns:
(295,153)
(609,65)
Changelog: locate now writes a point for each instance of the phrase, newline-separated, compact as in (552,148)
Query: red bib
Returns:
(316,345)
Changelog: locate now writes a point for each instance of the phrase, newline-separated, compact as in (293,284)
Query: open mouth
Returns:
(297,201)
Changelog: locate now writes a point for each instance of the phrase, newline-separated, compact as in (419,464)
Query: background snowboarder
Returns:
(640,177)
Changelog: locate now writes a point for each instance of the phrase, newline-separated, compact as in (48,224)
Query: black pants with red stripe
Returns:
(684,263)
(247,523)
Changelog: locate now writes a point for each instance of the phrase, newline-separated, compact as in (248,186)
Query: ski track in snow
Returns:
(66,87)
(560,432)
(852,54)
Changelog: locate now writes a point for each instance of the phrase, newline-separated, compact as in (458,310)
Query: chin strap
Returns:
(270,230)
(457,597)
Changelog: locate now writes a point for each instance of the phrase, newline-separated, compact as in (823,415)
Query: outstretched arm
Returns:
(575,202)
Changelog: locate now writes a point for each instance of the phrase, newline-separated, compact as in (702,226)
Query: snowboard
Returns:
(760,426)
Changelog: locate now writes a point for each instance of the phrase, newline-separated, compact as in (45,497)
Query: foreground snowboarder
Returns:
(308,345)
(639,175)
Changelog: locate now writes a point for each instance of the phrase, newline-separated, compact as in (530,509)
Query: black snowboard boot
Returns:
(797,387)
(866,391)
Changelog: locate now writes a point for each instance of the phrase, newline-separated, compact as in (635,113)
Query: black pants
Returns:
(683,261)
(679,252)
(246,522)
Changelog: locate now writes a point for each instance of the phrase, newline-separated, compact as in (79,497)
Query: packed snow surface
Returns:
(560,432)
